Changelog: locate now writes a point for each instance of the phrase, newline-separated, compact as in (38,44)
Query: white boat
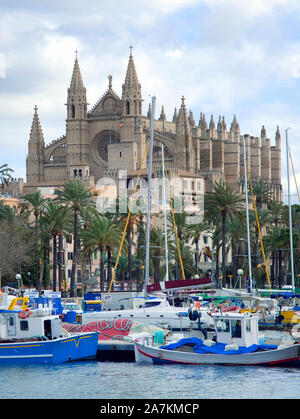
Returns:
(156,312)
(237,343)
(35,335)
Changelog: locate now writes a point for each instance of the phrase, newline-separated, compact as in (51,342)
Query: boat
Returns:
(35,335)
(236,343)
(156,311)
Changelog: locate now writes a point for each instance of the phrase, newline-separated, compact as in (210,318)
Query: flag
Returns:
(207,252)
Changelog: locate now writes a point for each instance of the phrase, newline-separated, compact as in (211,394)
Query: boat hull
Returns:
(66,349)
(287,356)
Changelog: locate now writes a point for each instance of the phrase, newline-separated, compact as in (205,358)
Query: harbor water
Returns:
(111,380)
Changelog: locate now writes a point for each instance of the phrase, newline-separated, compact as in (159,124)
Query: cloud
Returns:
(225,56)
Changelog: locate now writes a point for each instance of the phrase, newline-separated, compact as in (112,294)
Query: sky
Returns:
(225,56)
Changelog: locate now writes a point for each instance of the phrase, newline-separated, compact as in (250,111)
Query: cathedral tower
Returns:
(35,156)
(77,130)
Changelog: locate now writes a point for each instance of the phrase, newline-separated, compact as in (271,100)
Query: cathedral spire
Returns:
(220,124)
(175,116)
(131,95)
(76,81)
(277,137)
(162,114)
(234,125)
(77,102)
(36,133)
(35,156)
(149,111)
(224,124)
(191,119)
(212,124)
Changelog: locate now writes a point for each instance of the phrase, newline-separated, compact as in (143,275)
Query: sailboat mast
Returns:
(164,209)
(147,264)
(247,216)
(290,210)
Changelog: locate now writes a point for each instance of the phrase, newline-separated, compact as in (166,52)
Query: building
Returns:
(103,146)
(112,135)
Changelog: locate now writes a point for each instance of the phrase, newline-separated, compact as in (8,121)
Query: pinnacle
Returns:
(131,79)
(76,81)
(36,133)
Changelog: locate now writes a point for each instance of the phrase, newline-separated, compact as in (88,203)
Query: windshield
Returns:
(70,306)
(152,303)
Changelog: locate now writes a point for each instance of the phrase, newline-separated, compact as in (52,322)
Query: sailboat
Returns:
(156,310)
(236,343)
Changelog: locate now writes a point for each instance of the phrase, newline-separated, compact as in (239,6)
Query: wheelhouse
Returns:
(37,324)
(236,328)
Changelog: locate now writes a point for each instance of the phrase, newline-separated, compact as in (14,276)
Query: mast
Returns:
(290,211)
(247,216)
(164,208)
(149,197)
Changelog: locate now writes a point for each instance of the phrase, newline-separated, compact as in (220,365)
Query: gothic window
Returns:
(75,172)
(102,140)
(73,111)
(80,172)
(127,107)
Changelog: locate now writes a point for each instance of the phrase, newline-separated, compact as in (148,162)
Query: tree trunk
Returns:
(109,269)
(74,261)
(101,268)
(223,214)
(129,257)
(197,255)
(60,246)
(54,277)
(217,273)
(280,268)
(45,264)
(36,256)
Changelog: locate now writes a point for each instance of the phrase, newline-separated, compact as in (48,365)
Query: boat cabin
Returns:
(38,324)
(236,328)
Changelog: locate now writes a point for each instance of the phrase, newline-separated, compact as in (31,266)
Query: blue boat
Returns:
(36,336)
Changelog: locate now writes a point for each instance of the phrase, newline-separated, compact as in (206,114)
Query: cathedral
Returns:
(110,138)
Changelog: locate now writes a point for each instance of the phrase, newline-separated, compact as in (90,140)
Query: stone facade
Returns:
(113,134)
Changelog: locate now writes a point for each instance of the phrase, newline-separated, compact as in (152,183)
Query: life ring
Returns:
(25,313)
(198,305)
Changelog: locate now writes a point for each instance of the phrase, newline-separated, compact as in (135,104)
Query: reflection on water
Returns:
(128,380)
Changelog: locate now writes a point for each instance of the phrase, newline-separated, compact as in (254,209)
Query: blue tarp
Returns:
(218,348)
(285,295)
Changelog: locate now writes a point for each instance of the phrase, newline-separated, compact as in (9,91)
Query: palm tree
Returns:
(5,175)
(224,200)
(194,231)
(237,232)
(101,235)
(36,202)
(54,219)
(262,193)
(75,196)
(187,260)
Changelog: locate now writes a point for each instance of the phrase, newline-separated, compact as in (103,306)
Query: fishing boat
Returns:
(236,343)
(35,335)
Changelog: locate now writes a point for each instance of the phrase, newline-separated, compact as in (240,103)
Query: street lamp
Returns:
(18,278)
(240,273)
